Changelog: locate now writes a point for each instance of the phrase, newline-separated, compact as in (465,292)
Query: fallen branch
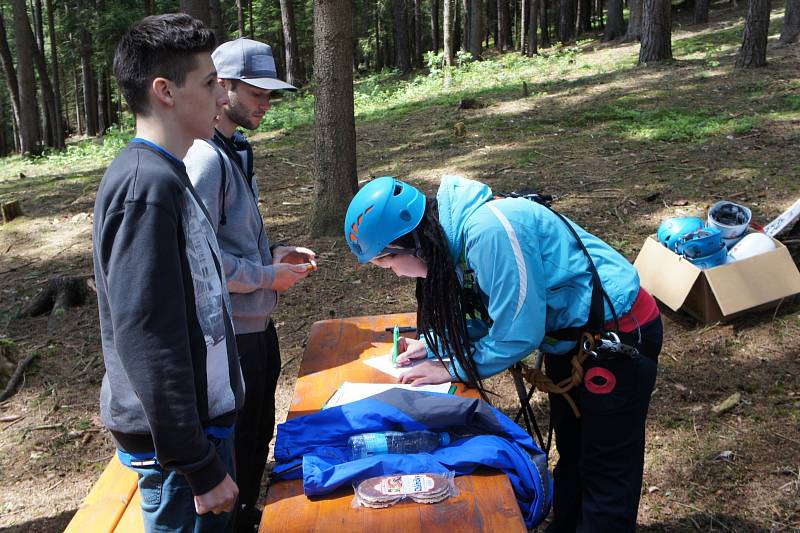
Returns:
(17,376)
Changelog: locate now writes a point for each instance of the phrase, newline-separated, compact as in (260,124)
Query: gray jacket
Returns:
(242,238)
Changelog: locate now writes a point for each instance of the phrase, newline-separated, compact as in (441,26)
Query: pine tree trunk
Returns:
(634,32)
(544,24)
(790,33)
(149,7)
(294,70)
(199,9)
(476,28)
(217,25)
(701,11)
(30,140)
(584,22)
(435,38)
(523,25)
(78,113)
(532,27)
(12,83)
(503,25)
(417,34)
(89,91)
(447,25)
(58,119)
(656,31)
(566,21)
(756,29)
(615,25)
(401,36)
(334,129)
(240,17)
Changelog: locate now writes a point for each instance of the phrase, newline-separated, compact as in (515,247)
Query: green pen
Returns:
(395,340)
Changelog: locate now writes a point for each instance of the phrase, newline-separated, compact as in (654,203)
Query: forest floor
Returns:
(622,146)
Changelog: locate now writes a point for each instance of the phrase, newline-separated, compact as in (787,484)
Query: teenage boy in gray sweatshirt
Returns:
(221,169)
(172,385)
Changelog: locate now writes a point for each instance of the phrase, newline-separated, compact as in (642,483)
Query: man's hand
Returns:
(293,254)
(287,274)
(409,349)
(426,373)
(220,499)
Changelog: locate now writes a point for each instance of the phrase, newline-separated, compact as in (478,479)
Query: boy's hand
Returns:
(220,499)
(287,274)
(408,349)
(294,255)
(426,373)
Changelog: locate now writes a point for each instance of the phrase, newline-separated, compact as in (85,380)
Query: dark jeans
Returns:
(260,357)
(168,502)
(598,477)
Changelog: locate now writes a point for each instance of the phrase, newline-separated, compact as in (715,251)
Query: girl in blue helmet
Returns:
(498,278)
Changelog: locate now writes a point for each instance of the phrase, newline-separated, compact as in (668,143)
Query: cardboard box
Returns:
(721,292)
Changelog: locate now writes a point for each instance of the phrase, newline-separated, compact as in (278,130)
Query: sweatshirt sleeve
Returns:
(507,271)
(141,258)
(205,172)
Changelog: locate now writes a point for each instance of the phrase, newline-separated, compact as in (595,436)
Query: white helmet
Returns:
(752,244)
(729,218)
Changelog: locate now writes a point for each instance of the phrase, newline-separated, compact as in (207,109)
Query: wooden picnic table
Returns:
(485,502)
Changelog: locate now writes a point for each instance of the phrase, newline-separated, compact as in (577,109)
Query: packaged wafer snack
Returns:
(385,491)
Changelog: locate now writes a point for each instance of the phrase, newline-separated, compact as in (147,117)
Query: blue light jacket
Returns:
(532,275)
(318,442)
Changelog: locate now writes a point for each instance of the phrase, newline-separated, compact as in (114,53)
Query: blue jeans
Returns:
(168,502)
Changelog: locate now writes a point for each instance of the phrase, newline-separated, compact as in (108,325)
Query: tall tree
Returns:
(448,20)
(523,25)
(656,31)
(756,29)
(503,25)
(435,38)
(476,28)
(615,25)
(217,22)
(566,21)
(544,24)
(701,11)
(401,36)
(417,33)
(87,74)
(149,7)
(30,139)
(294,70)
(634,32)
(240,16)
(334,126)
(199,9)
(584,18)
(10,75)
(59,118)
(51,136)
(533,19)
(790,33)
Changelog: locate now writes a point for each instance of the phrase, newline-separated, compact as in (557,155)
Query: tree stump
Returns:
(7,361)
(10,211)
(59,294)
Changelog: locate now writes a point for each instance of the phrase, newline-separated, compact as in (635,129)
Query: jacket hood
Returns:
(458,198)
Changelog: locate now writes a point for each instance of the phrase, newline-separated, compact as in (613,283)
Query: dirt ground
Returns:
(739,471)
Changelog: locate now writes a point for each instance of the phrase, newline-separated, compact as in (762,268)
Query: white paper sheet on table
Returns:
(351,392)
(384,364)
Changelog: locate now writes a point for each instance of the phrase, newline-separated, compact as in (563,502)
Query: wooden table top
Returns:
(485,502)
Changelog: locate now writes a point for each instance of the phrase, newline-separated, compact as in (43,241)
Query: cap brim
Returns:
(272,84)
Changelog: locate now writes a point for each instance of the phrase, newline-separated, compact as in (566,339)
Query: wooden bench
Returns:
(112,505)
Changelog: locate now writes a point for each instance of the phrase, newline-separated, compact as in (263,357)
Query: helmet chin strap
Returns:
(417,245)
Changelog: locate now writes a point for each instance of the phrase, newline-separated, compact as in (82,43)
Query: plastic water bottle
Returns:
(369,444)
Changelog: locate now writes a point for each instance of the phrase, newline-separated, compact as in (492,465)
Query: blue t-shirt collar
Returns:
(160,149)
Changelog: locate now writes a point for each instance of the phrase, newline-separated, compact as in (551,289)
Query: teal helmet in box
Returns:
(674,228)
(700,243)
(381,212)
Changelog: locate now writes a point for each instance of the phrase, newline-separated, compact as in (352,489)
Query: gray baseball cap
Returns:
(249,61)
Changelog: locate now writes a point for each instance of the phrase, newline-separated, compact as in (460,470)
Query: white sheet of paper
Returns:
(384,364)
(351,392)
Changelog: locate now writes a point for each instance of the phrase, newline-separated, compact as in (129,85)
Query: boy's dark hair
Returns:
(158,46)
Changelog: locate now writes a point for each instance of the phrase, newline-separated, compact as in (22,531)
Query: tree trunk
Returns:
(656,31)
(78,113)
(476,28)
(701,11)
(58,119)
(790,33)
(334,129)
(584,19)
(11,79)
(217,24)
(401,36)
(756,29)
(149,7)
(294,70)
(634,32)
(240,17)
(199,9)
(503,25)
(615,25)
(533,18)
(102,109)
(566,21)
(417,34)
(544,24)
(89,92)
(447,25)
(435,39)
(30,140)
(523,25)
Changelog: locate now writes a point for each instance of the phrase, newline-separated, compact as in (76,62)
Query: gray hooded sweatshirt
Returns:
(231,198)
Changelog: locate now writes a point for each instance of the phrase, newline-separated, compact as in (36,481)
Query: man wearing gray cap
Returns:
(221,169)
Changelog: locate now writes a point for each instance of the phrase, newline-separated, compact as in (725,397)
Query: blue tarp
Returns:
(318,442)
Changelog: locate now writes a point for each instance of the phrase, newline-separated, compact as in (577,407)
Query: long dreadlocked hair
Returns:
(439,306)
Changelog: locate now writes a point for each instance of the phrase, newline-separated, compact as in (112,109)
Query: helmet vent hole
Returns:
(405,215)
(398,189)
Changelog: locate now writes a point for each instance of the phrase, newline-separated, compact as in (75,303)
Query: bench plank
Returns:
(131,521)
(104,506)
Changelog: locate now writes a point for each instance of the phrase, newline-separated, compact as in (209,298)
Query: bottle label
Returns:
(376,443)
(408,484)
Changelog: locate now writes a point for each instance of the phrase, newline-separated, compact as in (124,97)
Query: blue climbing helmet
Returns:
(674,228)
(383,210)
(703,242)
